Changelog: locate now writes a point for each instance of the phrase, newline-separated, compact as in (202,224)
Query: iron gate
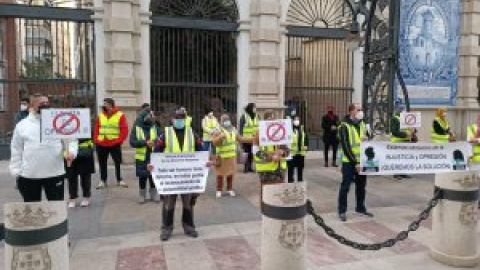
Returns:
(48,48)
(193,58)
(319,67)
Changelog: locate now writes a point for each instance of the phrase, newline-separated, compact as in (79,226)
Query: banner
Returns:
(66,124)
(180,173)
(384,158)
(275,132)
(428,50)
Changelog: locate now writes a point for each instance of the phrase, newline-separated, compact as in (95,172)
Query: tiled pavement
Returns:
(116,233)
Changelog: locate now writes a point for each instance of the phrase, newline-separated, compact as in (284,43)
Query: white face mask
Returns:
(296,123)
(359,115)
(23,107)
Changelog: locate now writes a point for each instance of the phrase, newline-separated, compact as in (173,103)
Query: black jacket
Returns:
(395,128)
(82,165)
(330,135)
(141,166)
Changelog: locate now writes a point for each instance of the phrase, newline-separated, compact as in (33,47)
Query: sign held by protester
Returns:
(410,120)
(275,132)
(180,173)
(66,124)
(385,158)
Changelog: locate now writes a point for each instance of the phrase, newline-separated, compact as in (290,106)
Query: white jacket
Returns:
(31,158)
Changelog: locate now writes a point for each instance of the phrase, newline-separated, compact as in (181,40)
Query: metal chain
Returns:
(403,235)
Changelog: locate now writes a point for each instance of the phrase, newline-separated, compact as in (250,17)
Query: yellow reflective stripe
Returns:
(228,148)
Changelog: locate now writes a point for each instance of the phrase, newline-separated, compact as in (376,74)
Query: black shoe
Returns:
(334,165)
(365,213)
(342,217)
(191,232)
(326,164)
(405,176)
(165,235)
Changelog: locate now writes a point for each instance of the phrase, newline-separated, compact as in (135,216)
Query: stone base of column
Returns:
(455,261)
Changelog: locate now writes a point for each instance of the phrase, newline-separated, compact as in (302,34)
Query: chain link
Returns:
(403,235)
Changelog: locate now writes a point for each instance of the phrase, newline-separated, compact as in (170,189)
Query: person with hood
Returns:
(441,132)
(143,135)
(23,113)
(39,164)
(248,128)
(111,130)
(225,142)
(178,138)
(298,150)
(330,124)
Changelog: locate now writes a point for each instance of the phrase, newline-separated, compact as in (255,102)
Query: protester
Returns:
(298,150)
(330,124)
(209,125)
(248,128)
(24,110)
(84,166)
(400,135)
(111,130)
(142,137)
(351,133)
(441,132)
(225,141)
(38,163)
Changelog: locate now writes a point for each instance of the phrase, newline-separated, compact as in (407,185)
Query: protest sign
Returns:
(66,124)
(180,173)
(384,158)
(410,120)
(275,132)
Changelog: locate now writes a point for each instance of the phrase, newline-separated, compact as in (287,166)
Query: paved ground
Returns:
(116,233)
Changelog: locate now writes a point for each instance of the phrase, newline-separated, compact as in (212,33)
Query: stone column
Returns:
(455,220)
(357,75)
(265,56)
(243,54)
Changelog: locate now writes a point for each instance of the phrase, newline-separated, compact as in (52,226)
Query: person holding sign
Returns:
(351,133)
(400,135)
(111,130)
(248,128)
(298,149)
(225,142)
(441,132)
(142,137)
(39,164)
(178,138)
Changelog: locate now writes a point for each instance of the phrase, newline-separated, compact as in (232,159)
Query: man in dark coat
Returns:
(330,124)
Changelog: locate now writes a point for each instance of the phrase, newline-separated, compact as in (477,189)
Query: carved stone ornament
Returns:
(469,213)
(31,258)
(292,234)
(292,196)
(29,217)
(469,181)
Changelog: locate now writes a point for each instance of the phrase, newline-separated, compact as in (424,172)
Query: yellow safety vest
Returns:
(141,152)
(355,140)
(173,146)
(211,124)
(228,149)
(394,139)
(269,166)
(471,132)
(109,127)
(188,121)
(251,126)
(294,147)
(437,138)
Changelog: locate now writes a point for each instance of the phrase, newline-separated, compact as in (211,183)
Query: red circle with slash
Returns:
(410,119)
(276,132)
(66,123)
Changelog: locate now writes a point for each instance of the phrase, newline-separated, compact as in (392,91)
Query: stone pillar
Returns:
(283,227)
(243,53)
(357,75)
(36,235)
(265,55)
(455,220)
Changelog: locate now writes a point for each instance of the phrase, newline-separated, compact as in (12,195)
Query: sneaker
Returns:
(342,217)
(365,213)
(191,232)
(165,234)
(231,193)
(122,184)
(218,194)
(101,185)
(72,204)
(85,202)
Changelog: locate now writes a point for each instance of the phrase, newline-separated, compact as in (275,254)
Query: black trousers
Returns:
(247,148)
(334,146)
(349,176)
(31,189)
(85,183)
(188,201)
(143,182)
(116,153)
(297,162)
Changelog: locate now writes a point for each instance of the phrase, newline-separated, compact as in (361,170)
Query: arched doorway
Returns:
(193,57)
(319,66)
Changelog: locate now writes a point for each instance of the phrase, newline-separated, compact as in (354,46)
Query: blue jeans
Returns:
(349,175)
(207,146)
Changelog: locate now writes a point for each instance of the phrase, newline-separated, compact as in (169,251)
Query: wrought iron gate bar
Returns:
(325,33)
(190,23)
(46,13)
(193,84)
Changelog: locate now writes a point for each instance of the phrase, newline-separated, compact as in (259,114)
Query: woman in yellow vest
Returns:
(441,132)
(248,128)
(225,142)
(209,125)
(142,137)
(298,150)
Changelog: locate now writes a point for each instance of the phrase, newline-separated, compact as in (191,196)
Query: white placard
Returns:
(180,173)
(384,158)
(410,120)
(275,132)
(66,124)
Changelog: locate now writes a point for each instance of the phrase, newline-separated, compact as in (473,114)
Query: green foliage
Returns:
(39,68)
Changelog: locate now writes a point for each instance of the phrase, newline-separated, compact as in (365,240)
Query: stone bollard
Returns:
(455,218)
(283,227)
(36,236)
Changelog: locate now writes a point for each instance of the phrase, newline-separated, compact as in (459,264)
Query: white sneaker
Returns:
(85,202)
(219,194)
(231,193)
(101,185)
(122,184)
(71,204)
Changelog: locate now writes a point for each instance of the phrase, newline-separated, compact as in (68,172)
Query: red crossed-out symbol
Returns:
(410,119)
(66,123)
(276,132)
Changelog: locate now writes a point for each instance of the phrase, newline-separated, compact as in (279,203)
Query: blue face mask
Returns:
(227,123)
(179,123)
